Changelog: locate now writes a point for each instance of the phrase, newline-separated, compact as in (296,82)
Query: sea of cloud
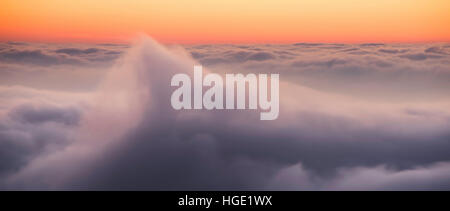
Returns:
(98,116)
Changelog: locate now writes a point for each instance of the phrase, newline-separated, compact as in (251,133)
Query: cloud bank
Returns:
(352,117)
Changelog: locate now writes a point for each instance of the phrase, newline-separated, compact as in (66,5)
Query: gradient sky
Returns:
(226,21)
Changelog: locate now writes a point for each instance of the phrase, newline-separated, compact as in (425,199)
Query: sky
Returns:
(230,21)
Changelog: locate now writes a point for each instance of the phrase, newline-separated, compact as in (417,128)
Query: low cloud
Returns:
(76,51)
(129,138)
(27,132)
(50,55)
(32,115)
(327,63)
(419,56)
(35,57)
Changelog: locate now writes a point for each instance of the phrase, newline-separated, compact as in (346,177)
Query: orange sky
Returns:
(226,21)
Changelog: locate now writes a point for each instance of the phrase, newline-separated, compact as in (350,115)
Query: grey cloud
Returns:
(437,50)
(327,63)
(211,154)
(350,49)
(419,56)
(237,56)
(113,52)
(382,178)
(433,177)
(351,67)
(308,44)
(382,64)
(91,54)
(197,55)
(392,51)
(372,44)
(232,56)
(35,57)
(53,54)
(76,51)
(260,56)
(114,45)
(23,137)
(33,115)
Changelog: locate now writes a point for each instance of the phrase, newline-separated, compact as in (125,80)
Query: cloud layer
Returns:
(368,116)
